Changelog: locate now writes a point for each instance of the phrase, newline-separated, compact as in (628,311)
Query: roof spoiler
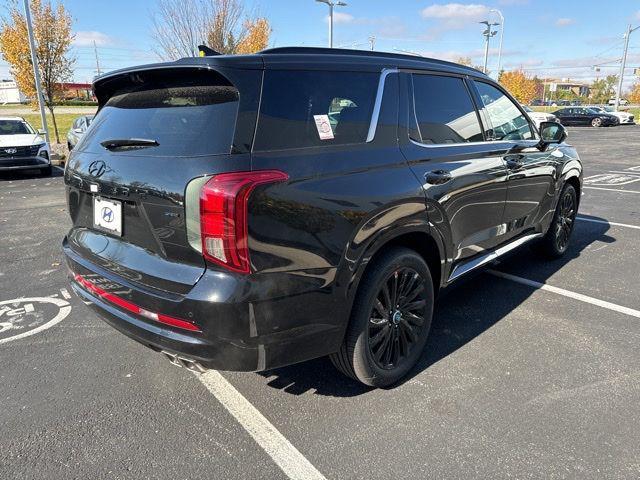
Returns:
(205,51)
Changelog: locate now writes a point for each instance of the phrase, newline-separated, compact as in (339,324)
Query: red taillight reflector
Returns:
(223,216)
(133,308)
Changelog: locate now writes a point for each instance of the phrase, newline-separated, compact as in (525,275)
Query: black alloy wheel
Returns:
(396,318)
(390,319)
(565,219)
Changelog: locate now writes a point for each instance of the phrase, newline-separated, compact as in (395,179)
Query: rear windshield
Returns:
(314,108)
(186,118)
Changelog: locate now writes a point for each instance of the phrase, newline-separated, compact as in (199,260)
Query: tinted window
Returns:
(14,127)
(309,109)
(444,111)
(508,122)
(193,117)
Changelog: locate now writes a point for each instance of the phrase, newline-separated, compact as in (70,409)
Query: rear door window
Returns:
(507,121)
(444,112)
(313,108)
(187,117)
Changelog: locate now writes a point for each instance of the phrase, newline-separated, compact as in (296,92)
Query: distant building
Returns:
(566,85)
(72,91)
(9,92)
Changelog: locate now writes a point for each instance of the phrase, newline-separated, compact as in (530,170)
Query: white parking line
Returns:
(611,189)
(567,293)
(626,225)
(284,454)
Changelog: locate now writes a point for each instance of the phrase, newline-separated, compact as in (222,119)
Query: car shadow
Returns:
(463,313)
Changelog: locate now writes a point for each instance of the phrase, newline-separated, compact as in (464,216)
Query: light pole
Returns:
(495,10)
(623,64)
(488,33)
(36,70)
(331,5)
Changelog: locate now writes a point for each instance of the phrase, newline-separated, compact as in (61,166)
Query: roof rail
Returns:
(359,53)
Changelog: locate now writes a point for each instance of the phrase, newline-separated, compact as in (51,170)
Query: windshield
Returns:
(15,127)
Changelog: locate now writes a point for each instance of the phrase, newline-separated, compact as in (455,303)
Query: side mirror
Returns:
(77,130)
(550,133)
(41,132)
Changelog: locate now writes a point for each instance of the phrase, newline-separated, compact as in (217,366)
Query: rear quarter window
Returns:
(313,108)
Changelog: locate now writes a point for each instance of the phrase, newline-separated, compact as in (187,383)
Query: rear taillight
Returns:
(223,216)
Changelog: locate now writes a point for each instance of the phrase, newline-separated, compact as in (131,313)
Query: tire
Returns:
(555,243)
(383,341)
(596,122)
(46,171)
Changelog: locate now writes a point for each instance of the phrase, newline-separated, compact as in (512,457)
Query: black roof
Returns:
(309,58)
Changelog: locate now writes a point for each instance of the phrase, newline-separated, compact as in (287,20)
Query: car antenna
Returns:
(205,51)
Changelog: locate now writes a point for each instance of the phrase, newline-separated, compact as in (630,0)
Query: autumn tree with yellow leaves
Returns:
(634,95)
(53,37)
(179,26)
(523,88)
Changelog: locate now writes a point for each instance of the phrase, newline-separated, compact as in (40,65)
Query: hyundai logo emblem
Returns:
(11,151)
(107,214)
(97,168)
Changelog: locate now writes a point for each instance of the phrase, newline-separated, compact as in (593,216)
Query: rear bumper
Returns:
(238,333)
(23,163)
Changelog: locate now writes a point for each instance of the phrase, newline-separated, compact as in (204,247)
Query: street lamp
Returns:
(331,5)
(488,33)
(495,10)
(623,63)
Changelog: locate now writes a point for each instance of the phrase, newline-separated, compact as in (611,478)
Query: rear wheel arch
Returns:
(419,241)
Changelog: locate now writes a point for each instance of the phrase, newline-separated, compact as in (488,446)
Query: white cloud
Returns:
(86,39)
(456,15)
(563,22)
(340,17)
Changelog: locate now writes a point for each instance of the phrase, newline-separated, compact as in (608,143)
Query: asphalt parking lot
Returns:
(532,369)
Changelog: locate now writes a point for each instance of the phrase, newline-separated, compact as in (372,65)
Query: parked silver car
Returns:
(78,128)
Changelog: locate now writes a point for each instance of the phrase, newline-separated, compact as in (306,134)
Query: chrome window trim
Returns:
(378,103)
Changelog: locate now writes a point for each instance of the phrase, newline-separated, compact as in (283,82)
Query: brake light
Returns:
(223,216)
(132,307)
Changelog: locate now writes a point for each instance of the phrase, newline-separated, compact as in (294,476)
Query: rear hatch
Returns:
(156,132)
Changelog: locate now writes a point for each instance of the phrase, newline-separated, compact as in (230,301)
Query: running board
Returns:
(489,257)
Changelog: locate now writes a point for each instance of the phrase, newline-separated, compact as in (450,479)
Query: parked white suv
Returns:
(539,117)
(22,147)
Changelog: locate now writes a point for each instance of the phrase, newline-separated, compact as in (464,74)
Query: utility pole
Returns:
(95,49)
(36,70)
(488,33)
(372,41)
(501,38)
(331,6)
(623,64)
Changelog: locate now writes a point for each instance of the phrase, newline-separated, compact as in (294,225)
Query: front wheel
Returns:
(390,320)
(556,241)
(596,122)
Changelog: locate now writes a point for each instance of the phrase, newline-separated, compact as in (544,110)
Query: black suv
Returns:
(249,212)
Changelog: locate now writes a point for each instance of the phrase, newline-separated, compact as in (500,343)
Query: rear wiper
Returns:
(125,143)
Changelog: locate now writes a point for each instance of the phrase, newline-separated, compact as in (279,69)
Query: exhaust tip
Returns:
(182,362)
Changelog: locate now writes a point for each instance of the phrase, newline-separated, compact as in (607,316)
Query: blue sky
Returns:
(560,38)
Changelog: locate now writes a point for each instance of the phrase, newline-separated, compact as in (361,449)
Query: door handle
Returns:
(514,162)
(437,177)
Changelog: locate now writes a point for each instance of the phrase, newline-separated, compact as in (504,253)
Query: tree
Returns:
(634,95)
(179,26)
(53,37)
(523,88)
(466,61)
(603,89)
